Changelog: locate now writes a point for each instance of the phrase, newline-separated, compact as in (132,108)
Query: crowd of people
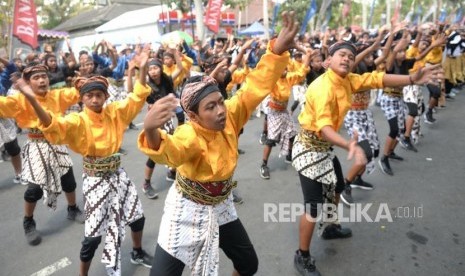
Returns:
(86,102)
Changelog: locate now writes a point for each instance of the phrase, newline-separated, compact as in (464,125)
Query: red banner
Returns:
(212,16)
(25,23)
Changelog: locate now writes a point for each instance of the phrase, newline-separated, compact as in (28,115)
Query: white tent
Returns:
(132,26)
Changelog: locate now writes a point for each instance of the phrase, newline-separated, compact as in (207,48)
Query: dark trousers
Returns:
(234,242)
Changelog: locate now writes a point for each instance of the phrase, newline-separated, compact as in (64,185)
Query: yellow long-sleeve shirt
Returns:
(434,57)
(204,155)
(237,77)
(186,66)
(97,134)
(55,101)
(282,90)
(329,98)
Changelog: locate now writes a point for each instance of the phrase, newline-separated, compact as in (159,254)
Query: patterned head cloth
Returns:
(195,89)
(342,45)
(85,85)
(34,68)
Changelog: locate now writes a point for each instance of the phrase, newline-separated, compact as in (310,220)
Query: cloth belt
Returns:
(312,141)
(100,166)
(206,193)
(277,105)
(359,106)
(36,135)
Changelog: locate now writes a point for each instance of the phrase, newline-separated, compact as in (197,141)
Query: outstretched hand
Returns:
(429,75)
(160,112)
(285,39)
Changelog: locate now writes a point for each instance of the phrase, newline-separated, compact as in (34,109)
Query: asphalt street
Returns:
(424,199)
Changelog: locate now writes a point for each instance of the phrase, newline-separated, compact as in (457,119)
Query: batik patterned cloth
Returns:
(7,130)
(414,94)
(44,164)
(313,158)
(111,203)
(363,122)
(281,128)
(394,107)
(193,233)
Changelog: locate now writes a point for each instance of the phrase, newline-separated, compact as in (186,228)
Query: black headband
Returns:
(155,62)
(93,86)
(342,45)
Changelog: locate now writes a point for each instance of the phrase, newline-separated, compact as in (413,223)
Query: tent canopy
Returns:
(255,29)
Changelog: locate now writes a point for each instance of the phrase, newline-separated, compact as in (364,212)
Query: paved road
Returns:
(424,198)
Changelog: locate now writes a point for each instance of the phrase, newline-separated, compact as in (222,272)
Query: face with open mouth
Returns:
(342,61)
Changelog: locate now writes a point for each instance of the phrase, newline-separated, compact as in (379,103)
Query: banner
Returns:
(311,11)
(24,28)
(212,15)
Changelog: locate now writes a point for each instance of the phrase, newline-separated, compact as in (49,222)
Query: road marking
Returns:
(49,270)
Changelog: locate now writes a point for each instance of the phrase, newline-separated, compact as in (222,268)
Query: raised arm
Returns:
(240,56)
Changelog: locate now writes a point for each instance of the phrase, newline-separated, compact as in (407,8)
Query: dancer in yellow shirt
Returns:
(111,197)
(47,168)
(328,99)
(199,215)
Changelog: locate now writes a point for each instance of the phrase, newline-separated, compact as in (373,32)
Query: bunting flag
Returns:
(442,16)
(346,8)
(429,13)
(327,18)
(276,8)
(372,10)
(212,15)
(25,28)
(409,15)
(458,16)
(311,11)
(418,13)
(395,16)
(325,5)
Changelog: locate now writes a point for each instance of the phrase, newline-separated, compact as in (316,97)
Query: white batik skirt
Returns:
(189,231)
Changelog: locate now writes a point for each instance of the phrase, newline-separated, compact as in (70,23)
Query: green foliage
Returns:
(59,11)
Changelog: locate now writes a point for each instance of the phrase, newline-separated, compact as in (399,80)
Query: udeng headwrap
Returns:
(84,85)
(342,45)
(195,89)
(34,68)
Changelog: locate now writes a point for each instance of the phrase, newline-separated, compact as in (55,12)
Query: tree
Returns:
(53,13)
(6,17)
